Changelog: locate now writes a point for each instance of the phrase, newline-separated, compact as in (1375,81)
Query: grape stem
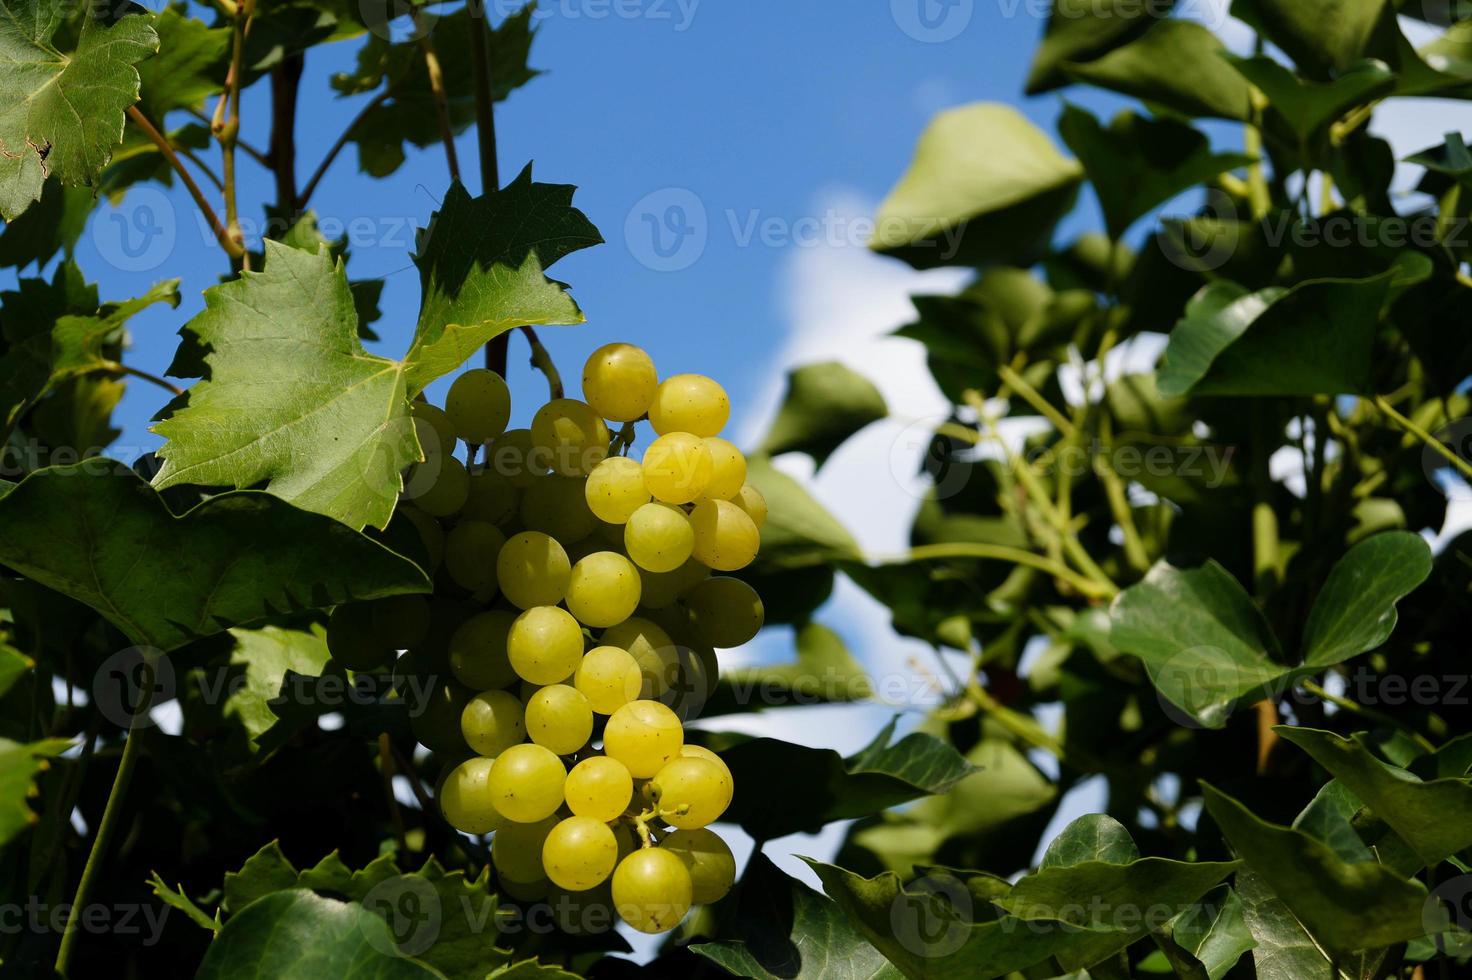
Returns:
(542,361)
(641,827)
(622,440)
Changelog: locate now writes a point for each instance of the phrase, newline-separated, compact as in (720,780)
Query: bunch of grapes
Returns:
(573,628)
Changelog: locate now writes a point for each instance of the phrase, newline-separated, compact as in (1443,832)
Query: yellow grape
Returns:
(513,457)
(526,783)
(619,381)
(441,487)
(659,537)
(579,853)
(599,787)
(558,717)
(609,678)
(465,798)
(545,645)
(652,890)
(691,792)
(431,535)
(492,498)
(690,403)
(615,489)
(728,469)
(492,722)
(644,736)
(355,644)
(752,504)
(533,570)
(725,612)
(725,538)
(701,752)
(478,651)
(651,648)
(435,431)
(479,405)
(471,549)
(572,435)
(709,860)
(603,589)
(677,467)
(516,850)
(558,505)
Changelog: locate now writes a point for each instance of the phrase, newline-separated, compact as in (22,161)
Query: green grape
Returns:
(353,641)
(661,589)
(619,382)
(690,403)
(513,457)
(644,736)
(651,648)
(471,550)
(677,468)
(526,783)
(728,469)
(599,787)
(491,499)
(609,678)
(432,428)
(434,717)
(558,505)
(430,534)
(725,612)
(603,589)
(492,722)
(615,489)
(579,853)
(752,504)
(652,890)
(516,850)
(479,406)
(691,792)
(572,435)
(439,488)
(559,717)
(701,752)
(709,860)
(545,645)
(533,570)
(725,538)
(659,537)
(401,621)
(465,798)
(478,656)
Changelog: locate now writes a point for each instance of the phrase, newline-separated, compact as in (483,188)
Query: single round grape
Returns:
(652,890)
(652,649)
(701,752)
(709,860)
(434,716)
(353,641)
(579,853)
(443,491)
(690,403)
(677,468)
(545,645)
(465,798)
(526,783)
(661,589)
(725,612)
(619,382)
(615,489)
(609,678)
(401,620)
(725,538)
(691,792)
(644,736)
(479,405)
(599,787)
(728,469)
(514,457)
(558,505)
(478,656)
(429,532)
(559,718)
(533,570)
(573,435)
(492,722)
(603,589)
(434,430)
(752,504)
(659,537)
(471,549)
(492,498)
(516,850)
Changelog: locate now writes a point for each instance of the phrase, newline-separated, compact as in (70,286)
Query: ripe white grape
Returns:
(526,783)
(619,382)
(652,649)
(678,467)
(514,457)
(579,853)
(652,890)
(545,645)
(465,798)
(599,787)
(492,722)
(644,736)
(478,656)
(435,431)
(725,612)
(533,570)
(701,752)
(709,860)
(558,505)
(690,403)
(603,589)
(471,550)
(615,489)
(479,406)
(659,537)
(691,792)
(728,469)
(516,850)
(725,538)
(559,717)
(573,435)
(440,487)
(661,589)
(752,504)
(609,678)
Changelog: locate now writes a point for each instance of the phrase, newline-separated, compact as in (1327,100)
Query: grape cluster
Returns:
(574,624)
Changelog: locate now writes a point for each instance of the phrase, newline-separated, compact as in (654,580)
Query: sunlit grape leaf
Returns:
(1082,30)
(19,765)
(104,537)
(1355,609)
(53,224)
(1177,64)
(61,112)
(825,404)
(189,66)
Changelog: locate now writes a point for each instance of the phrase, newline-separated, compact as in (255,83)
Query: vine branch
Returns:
(437,89)
(542,361)
(200,201)
(342,141)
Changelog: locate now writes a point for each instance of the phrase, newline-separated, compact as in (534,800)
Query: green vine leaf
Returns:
(1082,30)
(19,766)
(825,404)
(1176,63)
(1355,610)
(1309,107)
(1323,37)
(823,672)
(189,65)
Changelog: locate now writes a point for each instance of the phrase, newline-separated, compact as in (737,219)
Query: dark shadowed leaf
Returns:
(19,765)
(1308,107)
(1082,30)
(1355,610)
(824,405)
